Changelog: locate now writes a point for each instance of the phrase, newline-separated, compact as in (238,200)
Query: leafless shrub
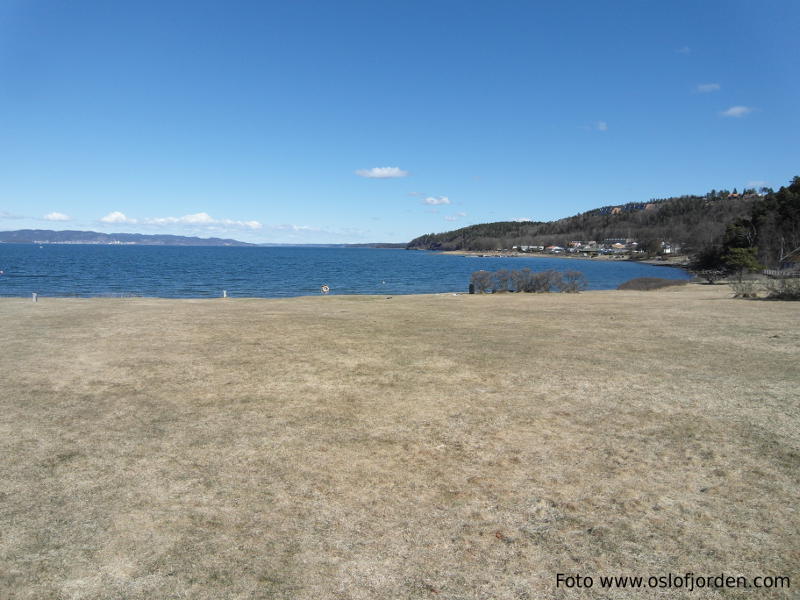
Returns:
(525,280)
(522,280)
(745,288)
(573,282)
(545,281)
(482,280)
(501,280)
(710,275)
(783,289)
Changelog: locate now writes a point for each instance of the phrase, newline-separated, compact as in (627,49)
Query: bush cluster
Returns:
(783,289)
(526,280)
(745,288)
(776,289)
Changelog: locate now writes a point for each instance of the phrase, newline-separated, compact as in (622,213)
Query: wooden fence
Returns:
(781,273)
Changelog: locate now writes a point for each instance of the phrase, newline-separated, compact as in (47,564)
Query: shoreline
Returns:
(681,262)
(356,297)
(232,296)
(41,299)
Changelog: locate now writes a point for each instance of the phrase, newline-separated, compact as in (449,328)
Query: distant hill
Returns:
(47,236)
(689,221)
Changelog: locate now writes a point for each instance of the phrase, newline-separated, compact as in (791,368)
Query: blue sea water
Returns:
(203,272)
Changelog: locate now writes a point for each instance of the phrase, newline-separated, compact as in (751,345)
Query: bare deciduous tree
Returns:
(573,282)
(501,280)
(482,280)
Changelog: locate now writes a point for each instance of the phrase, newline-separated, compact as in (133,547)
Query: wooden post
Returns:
(224,293)
(35,297)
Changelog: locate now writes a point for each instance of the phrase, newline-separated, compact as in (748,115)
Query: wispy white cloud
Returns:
(382,173)
(756,183)
(436,200)
(684,50)
(455,217)
(7,215)
(287,227)
(203,219)
(56,216)
(522,220)
(596,126)
(198,220)
(117,217)
(705,88)
(736,111)
(293,233)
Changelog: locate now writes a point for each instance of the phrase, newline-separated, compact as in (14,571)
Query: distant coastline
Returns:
(48,236)
(76,237)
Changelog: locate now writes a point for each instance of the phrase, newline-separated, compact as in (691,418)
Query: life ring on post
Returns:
(325,289)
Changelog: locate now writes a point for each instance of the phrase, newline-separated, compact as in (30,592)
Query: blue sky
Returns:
(317,122)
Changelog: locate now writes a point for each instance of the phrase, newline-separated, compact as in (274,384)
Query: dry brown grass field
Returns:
(433,446)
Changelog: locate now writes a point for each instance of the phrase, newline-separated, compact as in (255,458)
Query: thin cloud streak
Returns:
(201,219)
(736,111)
(288,227)
(117,217)
(706,88)
(56,216)
(436,200)
(382,173)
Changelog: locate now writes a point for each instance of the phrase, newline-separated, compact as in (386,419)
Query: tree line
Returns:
(768,235)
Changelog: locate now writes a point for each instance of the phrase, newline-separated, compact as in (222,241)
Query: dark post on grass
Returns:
(471,288)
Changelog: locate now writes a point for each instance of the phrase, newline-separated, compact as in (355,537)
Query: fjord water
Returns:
(203,272)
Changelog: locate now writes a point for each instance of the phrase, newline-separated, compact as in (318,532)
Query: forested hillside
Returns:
(769,236)
(692,222)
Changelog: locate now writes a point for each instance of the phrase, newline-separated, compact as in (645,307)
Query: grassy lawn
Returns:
(415,447)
